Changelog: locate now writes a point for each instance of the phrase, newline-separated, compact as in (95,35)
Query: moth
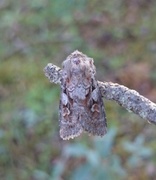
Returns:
(81,106)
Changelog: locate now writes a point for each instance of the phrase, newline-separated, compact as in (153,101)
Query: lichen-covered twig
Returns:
(130,100)
(127,98)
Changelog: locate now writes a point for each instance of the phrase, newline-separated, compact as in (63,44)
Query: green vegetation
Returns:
(121,37)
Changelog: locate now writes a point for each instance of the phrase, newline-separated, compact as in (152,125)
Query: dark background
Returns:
(121,37)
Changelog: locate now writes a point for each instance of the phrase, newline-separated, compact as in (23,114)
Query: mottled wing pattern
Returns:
(81,105)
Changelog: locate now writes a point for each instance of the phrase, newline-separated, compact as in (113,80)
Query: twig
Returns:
(127,98)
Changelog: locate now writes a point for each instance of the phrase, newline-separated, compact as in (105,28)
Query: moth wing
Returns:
(94,120)
(70,126)
(70,131)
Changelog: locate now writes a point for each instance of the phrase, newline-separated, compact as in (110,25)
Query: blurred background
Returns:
(121,37)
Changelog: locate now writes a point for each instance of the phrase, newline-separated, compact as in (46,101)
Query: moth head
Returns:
(76,60)
(77,57)
(78,63)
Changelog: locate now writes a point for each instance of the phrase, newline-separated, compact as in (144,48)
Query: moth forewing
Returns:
(81,104)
